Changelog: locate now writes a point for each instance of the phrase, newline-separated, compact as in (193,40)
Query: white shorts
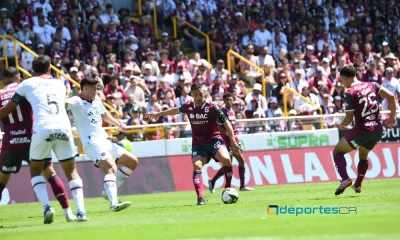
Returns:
(61,141)
(98,150)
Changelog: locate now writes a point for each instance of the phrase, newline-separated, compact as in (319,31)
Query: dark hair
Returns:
(227,95)
(114,77)
(10,72)
(348,71)
(196,86)
(89,82)
(41,64)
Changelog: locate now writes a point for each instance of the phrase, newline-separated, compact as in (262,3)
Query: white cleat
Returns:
(70,217)
(246,189)
(49,215)
(120,206)
(81,217)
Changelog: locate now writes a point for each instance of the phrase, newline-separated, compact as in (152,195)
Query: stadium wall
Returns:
(271,159)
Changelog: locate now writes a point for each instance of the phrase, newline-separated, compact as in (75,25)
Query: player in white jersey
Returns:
(89,112)
(51,131)
(392,84)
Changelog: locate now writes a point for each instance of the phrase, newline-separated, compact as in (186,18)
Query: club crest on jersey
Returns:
(206,109)
(94,116)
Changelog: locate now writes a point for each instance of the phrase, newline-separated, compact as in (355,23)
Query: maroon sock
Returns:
(228,176)
(1,189)
(198,183)
(219,174)
(242,171)
(362,170)
(59,191)
(341,164)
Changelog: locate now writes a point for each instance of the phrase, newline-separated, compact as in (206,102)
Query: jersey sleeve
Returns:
(377,87)
(225,114)
(221,118)
(348,102)
(102,108)
(71,103)
(20,93)
(182,108)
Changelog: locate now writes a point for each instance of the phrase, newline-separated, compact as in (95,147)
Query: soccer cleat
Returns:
(343,185)
(70,217)
(211,186)
(201,201)
(48,215)
(246,189)
(81,217)
(356,189)
(120,206)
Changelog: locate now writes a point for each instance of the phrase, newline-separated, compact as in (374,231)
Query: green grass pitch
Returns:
(175,216)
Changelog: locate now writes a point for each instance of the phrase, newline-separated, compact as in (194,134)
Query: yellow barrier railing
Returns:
(5,57)
(305,99)
(205,35)
(139,6)
(228,62)
(155,18)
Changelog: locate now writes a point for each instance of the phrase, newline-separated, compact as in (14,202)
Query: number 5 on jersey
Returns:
(53,104)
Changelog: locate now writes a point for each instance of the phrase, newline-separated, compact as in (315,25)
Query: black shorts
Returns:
(11,160)
(208,150)
(362,138)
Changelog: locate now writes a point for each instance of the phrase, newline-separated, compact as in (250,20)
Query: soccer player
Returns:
(361,102)
(207,142)
(16,141)
(89,113)
(52,131)
(230,115)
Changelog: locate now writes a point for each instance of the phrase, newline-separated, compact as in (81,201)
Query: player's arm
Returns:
(11,105)
(171,111)
(108,118)
(223,120)
(384,93)
(349,109)
(222,130)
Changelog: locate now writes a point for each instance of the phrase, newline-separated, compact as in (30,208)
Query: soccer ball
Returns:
(229,196)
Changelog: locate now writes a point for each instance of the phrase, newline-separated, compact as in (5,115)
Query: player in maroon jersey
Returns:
(207,141)
(230,114)
(16,142)
(362,103)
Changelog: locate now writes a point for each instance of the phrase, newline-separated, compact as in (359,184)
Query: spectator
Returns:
(113,88)
(26,58)
(372,74)
(249,73)
(43,32)
(132,88)
(257,96)
(109,16)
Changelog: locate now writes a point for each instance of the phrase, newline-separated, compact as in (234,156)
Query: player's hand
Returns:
(122,127)
(391,121)
(152,115)
(342,126)
(235,148)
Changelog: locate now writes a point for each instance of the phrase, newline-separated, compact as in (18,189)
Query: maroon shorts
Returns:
(229,147)
(11,160)
(362,138)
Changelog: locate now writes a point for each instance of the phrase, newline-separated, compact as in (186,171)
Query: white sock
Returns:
(76,188)
(39,186)
(111,188)
(67,211)
(122,174)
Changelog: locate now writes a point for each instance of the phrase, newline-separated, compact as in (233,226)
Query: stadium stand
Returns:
(279,58)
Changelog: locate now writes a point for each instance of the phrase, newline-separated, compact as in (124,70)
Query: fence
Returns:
(175,25)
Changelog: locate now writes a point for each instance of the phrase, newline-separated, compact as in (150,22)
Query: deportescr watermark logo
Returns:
(275,210)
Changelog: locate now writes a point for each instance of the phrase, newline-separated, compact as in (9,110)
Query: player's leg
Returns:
(40,151)
(4,178)
(212,181)
(5,166)
(126,161)
(199,159)
(364,150)
(242,171)
(58,190)
(65,153)
(221,154)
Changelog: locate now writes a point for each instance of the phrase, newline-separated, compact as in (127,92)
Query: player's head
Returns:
(197,93)
(11,75)
(89,88)
(228,100)
(347,75)
(41,65)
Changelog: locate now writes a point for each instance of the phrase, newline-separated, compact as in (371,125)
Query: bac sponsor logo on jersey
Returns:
(57,136)
(193,117)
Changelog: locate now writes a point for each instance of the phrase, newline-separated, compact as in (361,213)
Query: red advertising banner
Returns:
(151,175)
(288,166)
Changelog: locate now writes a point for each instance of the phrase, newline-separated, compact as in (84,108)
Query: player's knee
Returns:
(226,161)
(197,165)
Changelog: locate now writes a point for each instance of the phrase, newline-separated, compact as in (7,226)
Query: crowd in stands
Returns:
(300,45)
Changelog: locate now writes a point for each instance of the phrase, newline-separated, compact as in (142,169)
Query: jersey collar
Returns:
(83,98)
